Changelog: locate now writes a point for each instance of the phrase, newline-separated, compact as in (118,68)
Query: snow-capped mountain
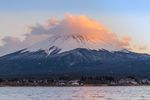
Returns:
(61,44)
(72,56)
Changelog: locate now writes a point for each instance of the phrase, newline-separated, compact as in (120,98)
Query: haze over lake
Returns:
(75,93)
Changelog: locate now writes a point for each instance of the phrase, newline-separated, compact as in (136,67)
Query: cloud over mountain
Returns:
(81,28)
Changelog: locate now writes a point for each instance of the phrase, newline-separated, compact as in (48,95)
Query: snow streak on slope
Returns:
(61,44)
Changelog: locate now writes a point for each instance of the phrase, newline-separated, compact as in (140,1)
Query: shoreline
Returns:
(70,85)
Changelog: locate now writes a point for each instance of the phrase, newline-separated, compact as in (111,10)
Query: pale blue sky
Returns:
(75,5)
(124,17)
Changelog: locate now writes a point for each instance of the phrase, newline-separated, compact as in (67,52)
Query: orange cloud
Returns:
(81,28)
(125,42)
(95,34)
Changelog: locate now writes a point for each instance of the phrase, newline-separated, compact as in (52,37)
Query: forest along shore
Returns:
(83,81)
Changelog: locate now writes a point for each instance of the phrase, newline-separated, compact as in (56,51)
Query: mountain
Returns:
(74,56)
(76,62)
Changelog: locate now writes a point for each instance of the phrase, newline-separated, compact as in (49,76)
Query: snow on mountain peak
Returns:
(69,42)
(64,43)
(77,32)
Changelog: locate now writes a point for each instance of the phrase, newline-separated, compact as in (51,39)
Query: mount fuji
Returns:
(74,56)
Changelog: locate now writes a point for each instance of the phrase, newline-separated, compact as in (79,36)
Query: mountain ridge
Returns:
(76,62)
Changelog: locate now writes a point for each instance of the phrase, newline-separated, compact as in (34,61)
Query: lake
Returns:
(76,93)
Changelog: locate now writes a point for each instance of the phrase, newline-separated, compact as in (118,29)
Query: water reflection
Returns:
(75,93)
(88,93)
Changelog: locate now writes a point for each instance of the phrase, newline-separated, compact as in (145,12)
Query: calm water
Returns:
(75,93)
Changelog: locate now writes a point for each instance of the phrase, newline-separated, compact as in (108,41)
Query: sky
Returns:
(128,19)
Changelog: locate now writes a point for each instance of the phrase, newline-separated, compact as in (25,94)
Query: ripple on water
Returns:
(75,93)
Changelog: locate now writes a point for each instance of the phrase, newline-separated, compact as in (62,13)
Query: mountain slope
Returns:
(73,55)
(76,62)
